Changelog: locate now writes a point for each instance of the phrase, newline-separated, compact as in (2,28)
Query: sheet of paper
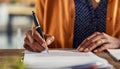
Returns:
(115,53)
(63,59)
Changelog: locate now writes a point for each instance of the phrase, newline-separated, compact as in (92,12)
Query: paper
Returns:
(115,53)
(57,59)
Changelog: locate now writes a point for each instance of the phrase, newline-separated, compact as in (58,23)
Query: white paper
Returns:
(57,59)
(115,53)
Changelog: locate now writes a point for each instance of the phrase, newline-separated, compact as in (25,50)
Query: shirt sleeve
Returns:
(117,26)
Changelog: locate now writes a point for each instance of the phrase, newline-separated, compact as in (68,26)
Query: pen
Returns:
(38,28)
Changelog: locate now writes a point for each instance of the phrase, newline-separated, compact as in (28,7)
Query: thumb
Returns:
(50,39)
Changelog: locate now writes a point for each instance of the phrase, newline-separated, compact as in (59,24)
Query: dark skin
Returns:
(97,42)
(34,42)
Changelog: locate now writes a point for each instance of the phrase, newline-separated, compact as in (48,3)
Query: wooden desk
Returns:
(18,52)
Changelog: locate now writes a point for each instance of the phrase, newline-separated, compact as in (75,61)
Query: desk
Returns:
(18,52)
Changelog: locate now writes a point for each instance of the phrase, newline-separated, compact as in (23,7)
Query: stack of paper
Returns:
(115,53)
(61,59)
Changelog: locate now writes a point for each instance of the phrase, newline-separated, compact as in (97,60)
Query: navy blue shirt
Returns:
(88,20)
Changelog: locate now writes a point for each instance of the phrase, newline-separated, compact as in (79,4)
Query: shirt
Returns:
(88,20)
(57,18)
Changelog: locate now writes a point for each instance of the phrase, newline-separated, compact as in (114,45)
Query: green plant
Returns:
(14,62)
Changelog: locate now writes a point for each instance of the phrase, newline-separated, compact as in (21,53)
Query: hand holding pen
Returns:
(36,42)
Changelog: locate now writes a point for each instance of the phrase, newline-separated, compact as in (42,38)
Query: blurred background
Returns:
(15,20)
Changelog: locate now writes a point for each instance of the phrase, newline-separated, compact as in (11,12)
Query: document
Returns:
(63,59)
(115,53)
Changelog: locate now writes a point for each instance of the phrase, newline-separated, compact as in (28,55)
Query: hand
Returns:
(99,42)
(34,42)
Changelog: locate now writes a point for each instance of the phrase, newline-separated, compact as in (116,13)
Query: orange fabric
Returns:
(112,20)
(57,18)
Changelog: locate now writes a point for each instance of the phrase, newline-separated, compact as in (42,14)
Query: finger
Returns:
(82,47)
(33,30)
(49,40)
(35,46)
(40,42)
(33,43)
(27,47)
(38,38)
(102,48)
(38,47)
(29,36)
(96,33)
(86,42)
(94,41)
(97,44)
(98,37)
(47,36)
(27,41)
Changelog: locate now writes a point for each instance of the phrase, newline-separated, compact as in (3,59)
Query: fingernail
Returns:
(48,42)
(44,44)
(86,49)
(90,48)
(92,41)
(95,50)
(53,37)
(81,49)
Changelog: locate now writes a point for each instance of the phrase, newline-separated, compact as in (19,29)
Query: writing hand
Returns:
(34,42)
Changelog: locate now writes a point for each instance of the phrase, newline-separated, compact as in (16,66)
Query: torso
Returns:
(90,17)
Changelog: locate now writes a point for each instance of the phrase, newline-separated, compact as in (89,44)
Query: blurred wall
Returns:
(15,20)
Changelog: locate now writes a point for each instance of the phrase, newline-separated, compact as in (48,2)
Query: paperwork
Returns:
(63,59)
(115,53)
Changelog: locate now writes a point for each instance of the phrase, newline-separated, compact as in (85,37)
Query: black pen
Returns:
(38,28)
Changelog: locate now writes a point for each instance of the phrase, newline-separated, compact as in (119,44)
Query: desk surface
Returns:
(18,52)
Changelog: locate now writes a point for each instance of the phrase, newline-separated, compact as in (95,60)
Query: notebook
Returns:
(115,53)
(63,59)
